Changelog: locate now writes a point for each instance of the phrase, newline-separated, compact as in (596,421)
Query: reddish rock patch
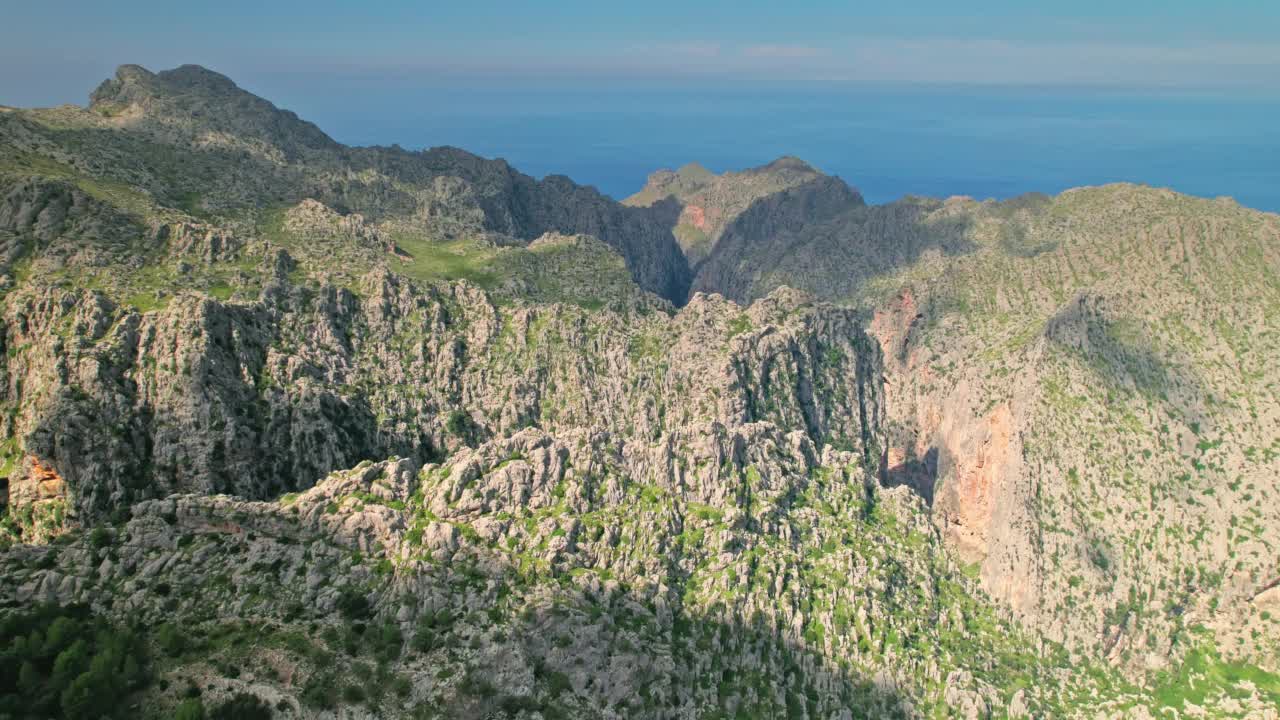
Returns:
(978,473)
(46,480)
(696,216)
(890,323)
(895,458)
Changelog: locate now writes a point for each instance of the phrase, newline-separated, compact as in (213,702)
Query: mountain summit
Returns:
(191,99)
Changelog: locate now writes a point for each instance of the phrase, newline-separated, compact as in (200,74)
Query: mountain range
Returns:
(312,430)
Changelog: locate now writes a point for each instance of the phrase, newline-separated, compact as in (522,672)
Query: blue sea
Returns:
(886,142)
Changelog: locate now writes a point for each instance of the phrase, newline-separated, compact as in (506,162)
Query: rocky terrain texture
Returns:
(1082,387)
(366,432)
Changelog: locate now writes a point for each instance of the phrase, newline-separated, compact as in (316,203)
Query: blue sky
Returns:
(56,51)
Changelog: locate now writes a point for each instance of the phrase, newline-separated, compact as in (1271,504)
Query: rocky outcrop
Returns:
(967,507)
(626,577)
(262,398)
(59,220)
(311,219)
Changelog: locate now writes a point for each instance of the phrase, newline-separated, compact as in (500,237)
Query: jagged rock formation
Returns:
(581,575)
(1075,383)
(635,473)
(262,398)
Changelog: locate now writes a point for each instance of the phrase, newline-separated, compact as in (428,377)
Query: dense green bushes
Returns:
(67,662)
(190,709)
(243,706)
(353,604)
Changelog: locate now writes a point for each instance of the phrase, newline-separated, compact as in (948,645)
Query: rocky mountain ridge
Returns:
(636,473)
(172,135)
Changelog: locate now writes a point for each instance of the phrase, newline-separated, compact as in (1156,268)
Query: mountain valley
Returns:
(292,428)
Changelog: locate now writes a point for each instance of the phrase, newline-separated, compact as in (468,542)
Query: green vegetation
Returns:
(1204,675)
(437,261)
(190,709)
(353,604)
(242,706)
(67,663)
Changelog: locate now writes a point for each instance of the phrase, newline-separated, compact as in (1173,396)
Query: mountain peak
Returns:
(790,162)
(183,76)
(134,82)
(197,76)
(129,80)
(702,205)
(196,99)
(133,73)
(695,171)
